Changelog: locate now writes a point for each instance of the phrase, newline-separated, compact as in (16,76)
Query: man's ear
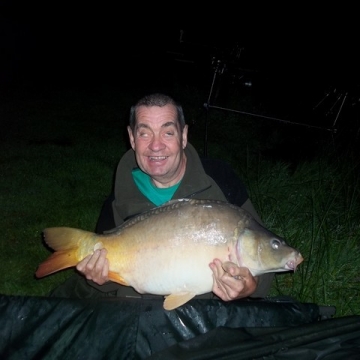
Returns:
(131,137)
(184,136)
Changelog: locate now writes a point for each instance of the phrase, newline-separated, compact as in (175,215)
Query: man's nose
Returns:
(156,144)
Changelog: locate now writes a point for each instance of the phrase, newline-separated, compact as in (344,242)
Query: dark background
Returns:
(293,58)
(69,38)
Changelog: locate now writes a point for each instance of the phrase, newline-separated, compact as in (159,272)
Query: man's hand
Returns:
(231,281)
(95,267)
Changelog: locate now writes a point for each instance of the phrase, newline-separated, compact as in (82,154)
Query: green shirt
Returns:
(156,195)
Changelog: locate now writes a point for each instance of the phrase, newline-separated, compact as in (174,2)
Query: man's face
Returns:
(158,144)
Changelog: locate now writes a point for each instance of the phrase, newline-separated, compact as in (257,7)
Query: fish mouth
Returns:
(293,263)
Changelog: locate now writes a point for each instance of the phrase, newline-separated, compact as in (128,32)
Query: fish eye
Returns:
(275,244)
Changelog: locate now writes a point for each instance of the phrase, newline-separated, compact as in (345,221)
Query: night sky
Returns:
(74,42)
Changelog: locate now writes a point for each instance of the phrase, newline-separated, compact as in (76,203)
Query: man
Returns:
(161,166)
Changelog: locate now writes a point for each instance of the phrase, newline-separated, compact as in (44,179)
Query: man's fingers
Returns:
(95,267)
(236,272)
(98,261)
(105,269)
(92,263)
(82,264)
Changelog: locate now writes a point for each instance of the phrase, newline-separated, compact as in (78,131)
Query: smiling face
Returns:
(159,144)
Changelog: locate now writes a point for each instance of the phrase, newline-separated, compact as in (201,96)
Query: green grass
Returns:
(59,150)
(316,208)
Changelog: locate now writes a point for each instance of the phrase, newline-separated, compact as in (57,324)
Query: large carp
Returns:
(167,250)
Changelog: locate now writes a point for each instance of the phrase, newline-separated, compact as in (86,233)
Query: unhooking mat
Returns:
(114,328)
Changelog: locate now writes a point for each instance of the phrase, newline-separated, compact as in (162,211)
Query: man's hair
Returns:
(160,100)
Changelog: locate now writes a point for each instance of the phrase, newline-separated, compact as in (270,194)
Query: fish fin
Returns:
(65,241)
(57,261)
(64,238)
(173,301)
(113,276)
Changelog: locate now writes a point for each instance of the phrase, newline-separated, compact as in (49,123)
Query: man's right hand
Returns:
(95,267)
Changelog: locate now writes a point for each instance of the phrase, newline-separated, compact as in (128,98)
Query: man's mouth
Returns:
(157,158)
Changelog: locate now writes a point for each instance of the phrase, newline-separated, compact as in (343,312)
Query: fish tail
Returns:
(66,242)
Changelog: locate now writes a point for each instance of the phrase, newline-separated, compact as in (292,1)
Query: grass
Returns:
(60,148)
(315,208)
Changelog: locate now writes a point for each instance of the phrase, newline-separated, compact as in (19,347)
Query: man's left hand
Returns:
(231,281)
